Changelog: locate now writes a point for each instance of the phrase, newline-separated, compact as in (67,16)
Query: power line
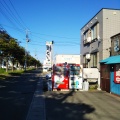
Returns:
(54,36)
(7,17)
(10,12)
(17,13)
(32,34)
(19,30)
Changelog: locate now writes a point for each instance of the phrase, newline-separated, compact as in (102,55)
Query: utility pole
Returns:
(36,59)
(27,40)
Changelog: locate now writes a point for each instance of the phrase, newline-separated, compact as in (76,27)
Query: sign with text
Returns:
(48,53)
(117,73)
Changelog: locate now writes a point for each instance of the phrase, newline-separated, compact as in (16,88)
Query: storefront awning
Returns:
(111,60)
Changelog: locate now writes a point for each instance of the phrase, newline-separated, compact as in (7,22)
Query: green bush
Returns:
(93,87)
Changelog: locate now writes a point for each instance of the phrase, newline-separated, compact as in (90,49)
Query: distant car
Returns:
(48,76)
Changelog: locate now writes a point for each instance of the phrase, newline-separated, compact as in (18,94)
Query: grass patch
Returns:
(29,69)
(2,70)
(4,74)
(16,72)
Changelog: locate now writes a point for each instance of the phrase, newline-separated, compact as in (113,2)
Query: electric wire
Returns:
(8,9)
(55,36)
(14,28)
(61,43)
(18,14)
(6,16)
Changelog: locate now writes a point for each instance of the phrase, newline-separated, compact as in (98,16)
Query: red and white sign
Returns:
(117,73)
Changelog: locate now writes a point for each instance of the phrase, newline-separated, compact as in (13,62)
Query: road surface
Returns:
(16,94)
(81,105)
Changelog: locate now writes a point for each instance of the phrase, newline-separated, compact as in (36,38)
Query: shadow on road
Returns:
(63,106)
(16,94)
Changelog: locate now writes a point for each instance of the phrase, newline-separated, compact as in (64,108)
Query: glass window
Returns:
(85,35)
(95,60)
(85,62)
(94,31)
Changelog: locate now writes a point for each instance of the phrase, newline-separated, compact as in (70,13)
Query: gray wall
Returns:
(109,25)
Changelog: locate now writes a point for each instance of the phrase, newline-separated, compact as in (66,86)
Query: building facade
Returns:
(110,68)
(96,37)
(115,45)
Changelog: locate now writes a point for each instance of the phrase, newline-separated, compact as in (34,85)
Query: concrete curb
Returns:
(37,107)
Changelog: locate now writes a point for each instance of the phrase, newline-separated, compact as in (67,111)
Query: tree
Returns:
(10,50)
(4,47)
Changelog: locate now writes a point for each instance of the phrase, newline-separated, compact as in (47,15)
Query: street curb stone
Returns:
(37,107)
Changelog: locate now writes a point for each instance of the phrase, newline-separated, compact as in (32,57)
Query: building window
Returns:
(85,63)
(94,60)
(85,35)
(95,31)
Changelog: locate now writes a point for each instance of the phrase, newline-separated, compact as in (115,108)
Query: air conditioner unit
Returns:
(88,56)
(84,41)
(99,39)
(89,39)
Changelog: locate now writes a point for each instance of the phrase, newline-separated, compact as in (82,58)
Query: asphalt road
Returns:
(16,94)
(81,105)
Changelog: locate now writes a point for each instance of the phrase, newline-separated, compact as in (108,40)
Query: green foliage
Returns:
(2,70)
(16,72)
(3,73)
(93,87)
(10,49)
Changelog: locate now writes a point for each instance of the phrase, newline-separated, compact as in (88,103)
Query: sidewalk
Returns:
(37,107)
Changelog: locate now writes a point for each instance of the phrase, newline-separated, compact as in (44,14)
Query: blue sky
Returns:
(47,20)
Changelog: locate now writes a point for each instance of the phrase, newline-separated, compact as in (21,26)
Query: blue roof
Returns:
(111,60)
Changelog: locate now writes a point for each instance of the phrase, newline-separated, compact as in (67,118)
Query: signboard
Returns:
(117,73)
(48,53)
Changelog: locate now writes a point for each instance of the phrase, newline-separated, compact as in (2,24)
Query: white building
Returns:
(73,59)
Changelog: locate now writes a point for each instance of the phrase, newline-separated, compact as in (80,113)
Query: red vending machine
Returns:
(60,77)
